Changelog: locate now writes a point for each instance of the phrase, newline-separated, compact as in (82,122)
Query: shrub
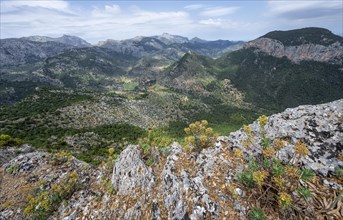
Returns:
(8,141)
(267,177)
(257,214)
(46,199)
(156,141)
(199,136)
(60,158)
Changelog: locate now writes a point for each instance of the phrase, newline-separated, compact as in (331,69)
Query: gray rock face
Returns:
(65,39)
(318,126)
(7,154)
(331,54)
(20,51)
(184,185)
(130,172)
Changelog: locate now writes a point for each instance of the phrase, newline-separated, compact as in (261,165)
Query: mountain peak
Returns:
(65,39)
(197,40)
(307,35)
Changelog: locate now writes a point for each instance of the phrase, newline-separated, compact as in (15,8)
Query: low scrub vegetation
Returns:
(270,181)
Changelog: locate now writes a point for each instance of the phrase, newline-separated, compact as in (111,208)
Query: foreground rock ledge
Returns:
(181,186)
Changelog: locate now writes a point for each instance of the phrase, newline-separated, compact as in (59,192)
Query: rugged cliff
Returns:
(332,53)
(181,185)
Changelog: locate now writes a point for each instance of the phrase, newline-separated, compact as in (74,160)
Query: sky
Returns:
(96,21)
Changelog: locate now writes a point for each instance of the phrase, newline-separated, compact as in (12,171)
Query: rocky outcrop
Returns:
(130,172)
(183,185)
(319,127)
(331,54)
(20,51)
(9,153)
(65,39)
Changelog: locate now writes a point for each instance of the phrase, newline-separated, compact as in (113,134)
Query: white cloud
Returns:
(218,11)
(11,5)
(304,9)
(107,11)
(212,22)
(194,7)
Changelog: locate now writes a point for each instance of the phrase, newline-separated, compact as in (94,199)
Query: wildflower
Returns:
(259,176)
(279,143)
(262,120)
(202,129)
(191,139)
(187,131)
(192,127)
(150,132)
(197,124)
(238,153)
(247,130)
(268,152)
(209,131)
(215,136)
(301,149)
(292,171)
(204,123)
(203,139)
(279,182)
(285,199)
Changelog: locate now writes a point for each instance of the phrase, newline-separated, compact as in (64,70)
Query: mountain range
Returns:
(69,86)
(166,127)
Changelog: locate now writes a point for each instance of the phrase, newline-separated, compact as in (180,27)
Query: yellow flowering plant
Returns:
(156,141)
(199,136)
(272,177)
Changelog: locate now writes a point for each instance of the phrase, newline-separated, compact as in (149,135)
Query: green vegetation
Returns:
(8,141)
(257,214)
(46,100)
(276,83)
(156,142)
(225,119)
(130,86)
(267,178)
(199,136)
(46,199)
(305,36)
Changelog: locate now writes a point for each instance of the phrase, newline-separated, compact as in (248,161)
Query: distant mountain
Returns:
(310,35)
(18,51)
(91,67)
(65,39)
(138,46)
(169,39)
(315,44)
(21,51)
(271,72)
(143,46)
(275,76)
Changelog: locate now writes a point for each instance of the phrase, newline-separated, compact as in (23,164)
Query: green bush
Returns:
(46,199)
(199,136)
(267,178)
(8,141)
(156,141)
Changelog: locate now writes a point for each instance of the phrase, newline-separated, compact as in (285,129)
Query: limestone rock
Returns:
(130,172)
(331,54)
(318,126)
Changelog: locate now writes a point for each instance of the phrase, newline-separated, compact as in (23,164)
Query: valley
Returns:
(65,94)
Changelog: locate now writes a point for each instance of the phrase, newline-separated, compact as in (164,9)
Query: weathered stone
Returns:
(130,172)
(332,53)
(319,126)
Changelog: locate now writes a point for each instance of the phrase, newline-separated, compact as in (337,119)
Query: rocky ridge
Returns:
(183,185)
(331,54)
